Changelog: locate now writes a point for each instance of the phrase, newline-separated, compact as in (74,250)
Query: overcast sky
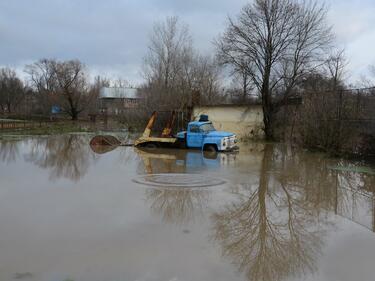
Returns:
(111,36)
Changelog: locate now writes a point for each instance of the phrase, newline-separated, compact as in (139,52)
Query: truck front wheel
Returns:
(210,148)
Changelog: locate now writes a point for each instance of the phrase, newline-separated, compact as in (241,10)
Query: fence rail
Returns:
(15,125)
(4,125)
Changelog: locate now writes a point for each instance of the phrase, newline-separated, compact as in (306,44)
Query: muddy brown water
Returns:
(267,213)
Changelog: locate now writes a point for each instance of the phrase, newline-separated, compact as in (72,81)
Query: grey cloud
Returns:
(111,36)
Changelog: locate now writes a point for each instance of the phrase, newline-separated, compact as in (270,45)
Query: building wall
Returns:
(115,106)
(244,121)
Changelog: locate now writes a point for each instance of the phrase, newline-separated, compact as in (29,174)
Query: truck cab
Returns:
(203,135)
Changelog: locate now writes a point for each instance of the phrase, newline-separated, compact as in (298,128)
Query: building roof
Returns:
(229,105)
(118,93)
(198,123)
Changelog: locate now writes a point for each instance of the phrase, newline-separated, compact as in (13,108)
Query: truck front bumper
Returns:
(231,149)
(229,144)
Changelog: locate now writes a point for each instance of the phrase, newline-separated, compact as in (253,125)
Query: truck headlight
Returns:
(224,141)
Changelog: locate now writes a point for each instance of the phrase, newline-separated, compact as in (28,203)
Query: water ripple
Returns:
(179,180)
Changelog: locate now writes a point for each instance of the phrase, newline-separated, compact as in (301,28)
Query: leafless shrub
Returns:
(336,122)
(134,118)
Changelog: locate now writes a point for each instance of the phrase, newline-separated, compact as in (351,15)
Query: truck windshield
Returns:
(207,128)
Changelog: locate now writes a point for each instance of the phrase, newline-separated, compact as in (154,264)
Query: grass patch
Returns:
(354,169)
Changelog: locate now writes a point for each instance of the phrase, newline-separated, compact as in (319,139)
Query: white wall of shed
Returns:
(244,121)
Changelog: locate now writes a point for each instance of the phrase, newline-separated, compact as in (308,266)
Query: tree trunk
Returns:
(267,105)
(73,110)
(244,86)
(74,114)
(267,120)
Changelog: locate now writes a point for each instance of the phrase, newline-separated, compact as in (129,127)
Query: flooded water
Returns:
(267,213)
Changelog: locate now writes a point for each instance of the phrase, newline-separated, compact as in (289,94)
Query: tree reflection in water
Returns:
(355,196)
(66,156)
(177,205)
(274,230)
(9,151)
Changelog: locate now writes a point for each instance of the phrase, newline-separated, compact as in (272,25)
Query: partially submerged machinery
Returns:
(199,134)
(165,139)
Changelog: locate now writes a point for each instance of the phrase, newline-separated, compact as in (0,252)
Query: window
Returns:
(205,128)
(194,129)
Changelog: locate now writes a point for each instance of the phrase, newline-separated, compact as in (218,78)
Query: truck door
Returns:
(194,137)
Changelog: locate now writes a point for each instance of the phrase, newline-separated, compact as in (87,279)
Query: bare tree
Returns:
(118,83)
(281,40)
(173,69)
(43,80)
(206,75)
(170,43)
(170,52)
(72,87)
(241,89)
(11,90)
(62,83)
(94,91)
(335,67)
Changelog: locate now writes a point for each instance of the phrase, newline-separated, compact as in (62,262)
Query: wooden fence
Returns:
(10,125)
(18,125)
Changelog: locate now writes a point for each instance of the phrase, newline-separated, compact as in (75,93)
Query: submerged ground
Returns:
(266,213)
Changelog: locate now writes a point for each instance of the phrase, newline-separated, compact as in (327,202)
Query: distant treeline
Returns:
(275,52)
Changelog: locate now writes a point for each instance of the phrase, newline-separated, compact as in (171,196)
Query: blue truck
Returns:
(203,135)
(199,134)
